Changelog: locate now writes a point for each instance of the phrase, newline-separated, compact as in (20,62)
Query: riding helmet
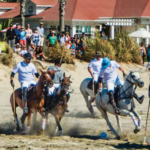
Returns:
(106,62)
(27,56)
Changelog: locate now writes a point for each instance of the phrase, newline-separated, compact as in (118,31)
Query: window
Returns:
(30,9)
(87,29)
(78,29)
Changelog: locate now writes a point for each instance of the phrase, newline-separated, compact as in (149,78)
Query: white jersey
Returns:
(110,74)
(96,65)
(23,52)
(25,71)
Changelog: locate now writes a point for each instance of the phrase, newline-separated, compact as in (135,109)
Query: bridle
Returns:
(131,84)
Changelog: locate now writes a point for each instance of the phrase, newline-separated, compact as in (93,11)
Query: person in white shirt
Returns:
(94,70)
(23,51)
(41,32)
(62,39)
(17,48)
(31,49)
(109,74)
(26,72)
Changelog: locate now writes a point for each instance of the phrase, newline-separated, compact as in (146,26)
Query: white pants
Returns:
(26,84)
(111,85)
(52,89)
(41,41)
(95,76)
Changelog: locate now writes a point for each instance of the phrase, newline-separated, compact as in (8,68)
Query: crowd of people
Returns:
(23,40)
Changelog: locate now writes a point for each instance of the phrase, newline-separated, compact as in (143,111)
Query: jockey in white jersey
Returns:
(109,74)
(57,76)
(94,69)
(26,72)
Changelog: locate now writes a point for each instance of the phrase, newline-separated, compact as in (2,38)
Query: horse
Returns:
(35,101)
(124,102)
(59,103)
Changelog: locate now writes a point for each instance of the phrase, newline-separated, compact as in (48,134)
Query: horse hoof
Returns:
(60,133)
(136,131)
(118,137)
(18,127)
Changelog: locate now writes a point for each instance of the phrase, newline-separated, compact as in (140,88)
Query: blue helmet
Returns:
(106,62)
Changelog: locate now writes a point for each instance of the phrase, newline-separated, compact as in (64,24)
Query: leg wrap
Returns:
(68,97)
(24,96)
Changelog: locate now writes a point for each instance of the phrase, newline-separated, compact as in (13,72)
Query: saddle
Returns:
(30,92)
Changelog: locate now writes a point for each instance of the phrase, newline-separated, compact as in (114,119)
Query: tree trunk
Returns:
(22,12)
(62,13)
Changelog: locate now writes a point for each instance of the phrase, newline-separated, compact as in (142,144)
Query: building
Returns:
(86,16)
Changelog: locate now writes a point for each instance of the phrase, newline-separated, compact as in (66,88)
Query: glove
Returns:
(12,83)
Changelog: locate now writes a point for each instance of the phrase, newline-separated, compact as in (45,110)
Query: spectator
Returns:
(11,35)
(36,38)
(38,53)
(62,39)
(67,36)
(73,49)
(148,54)
(22,35)
(41,33)
(23,51)
(67,45)
(83,41)
(17,30)
(17,48)
(28,35)
(142,53)
(103,36)
(52,40)
(31,49)
(50,34)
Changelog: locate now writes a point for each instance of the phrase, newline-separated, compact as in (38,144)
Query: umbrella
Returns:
(5,30)
(140,33)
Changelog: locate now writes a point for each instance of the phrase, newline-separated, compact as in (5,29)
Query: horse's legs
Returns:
(29,122)
(119,124)
(133,118)
(138,117)
(58,119)
(88,103)
(23,122)
(17,123)
(105,116)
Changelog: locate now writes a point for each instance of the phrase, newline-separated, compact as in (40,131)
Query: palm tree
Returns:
(22,12)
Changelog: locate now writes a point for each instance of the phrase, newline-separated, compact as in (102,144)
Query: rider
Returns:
(94,69)
(26,71)
(57,76)
(109,73)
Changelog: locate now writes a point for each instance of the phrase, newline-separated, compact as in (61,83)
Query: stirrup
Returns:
(25,110)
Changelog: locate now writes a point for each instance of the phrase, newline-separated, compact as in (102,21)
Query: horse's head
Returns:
(135,79)
(46,79)
(65,83)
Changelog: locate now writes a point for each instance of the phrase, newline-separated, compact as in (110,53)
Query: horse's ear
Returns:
(64,74)
(69,77)
(48,72)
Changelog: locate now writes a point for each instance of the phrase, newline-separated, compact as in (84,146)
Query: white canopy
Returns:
(140,33)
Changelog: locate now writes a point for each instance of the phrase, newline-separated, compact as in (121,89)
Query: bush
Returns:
(58,52)
(122,49)
(7,57)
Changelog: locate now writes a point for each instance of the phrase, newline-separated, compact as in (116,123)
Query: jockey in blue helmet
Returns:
(109,74)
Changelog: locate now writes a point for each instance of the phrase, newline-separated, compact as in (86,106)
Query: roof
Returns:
(8,5)
(12,13)
(89,9)
(45,2)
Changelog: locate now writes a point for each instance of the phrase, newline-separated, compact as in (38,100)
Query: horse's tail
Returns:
(13,104)
(39,63)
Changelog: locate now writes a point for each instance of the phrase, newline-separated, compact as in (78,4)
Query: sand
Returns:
(81,130)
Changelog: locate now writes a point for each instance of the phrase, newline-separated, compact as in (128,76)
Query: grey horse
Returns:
(125,101)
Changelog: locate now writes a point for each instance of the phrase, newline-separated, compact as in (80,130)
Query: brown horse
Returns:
(59,107)
(35,101)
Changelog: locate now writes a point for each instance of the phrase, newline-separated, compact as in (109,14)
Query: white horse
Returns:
(125,101)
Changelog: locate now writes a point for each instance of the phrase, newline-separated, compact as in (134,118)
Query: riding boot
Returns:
(113,103)
(139,99)
(24,98)
(68,97)
(95,91)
